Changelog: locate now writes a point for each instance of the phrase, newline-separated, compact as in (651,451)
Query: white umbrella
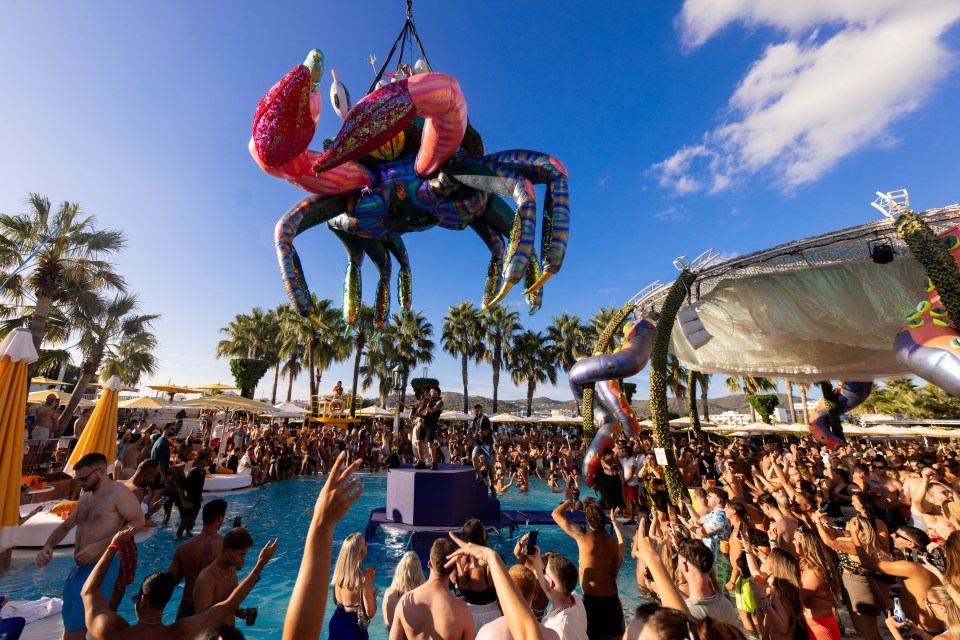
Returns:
(455,415)
(506,417)
(375,411)
(289,410)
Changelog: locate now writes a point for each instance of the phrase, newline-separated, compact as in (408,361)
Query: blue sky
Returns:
(684,125)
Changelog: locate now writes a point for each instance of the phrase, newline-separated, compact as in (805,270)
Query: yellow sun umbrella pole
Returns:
(16,354)
(100,434)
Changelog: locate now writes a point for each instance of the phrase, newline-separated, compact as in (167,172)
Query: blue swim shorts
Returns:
(72,601)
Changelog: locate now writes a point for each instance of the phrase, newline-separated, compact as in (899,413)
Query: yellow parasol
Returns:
(39,397)
(141,403)
(217,386)
(16,354)
(49,381)
(223,401)
(100,434)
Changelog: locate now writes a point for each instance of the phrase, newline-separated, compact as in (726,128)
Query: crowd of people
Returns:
(778,540)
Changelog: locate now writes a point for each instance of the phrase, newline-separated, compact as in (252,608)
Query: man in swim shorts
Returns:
(105,507)
(428,410)
(482,454)
(601,556)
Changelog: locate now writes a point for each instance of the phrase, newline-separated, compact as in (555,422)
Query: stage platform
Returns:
(426,505)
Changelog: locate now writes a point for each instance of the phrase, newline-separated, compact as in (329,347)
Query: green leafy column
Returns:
(602,345)
(658,379)
(247,372)
(833,411)
(935,258)
(692,405)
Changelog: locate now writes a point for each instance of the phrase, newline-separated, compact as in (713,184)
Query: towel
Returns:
(32,610)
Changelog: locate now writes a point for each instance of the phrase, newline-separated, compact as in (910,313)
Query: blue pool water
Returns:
(284,509)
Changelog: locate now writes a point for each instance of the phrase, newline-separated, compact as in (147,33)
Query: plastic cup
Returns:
(372,572)
(251,615)
(761,526)
(724,546)
(711,484)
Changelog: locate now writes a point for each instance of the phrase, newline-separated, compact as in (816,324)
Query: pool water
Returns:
(284,509)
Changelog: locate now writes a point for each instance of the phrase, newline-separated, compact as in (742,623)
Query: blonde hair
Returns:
(785,571)
(348,574)
(408,575)
(942,596)
(815,555)
(868,536)
(951,513)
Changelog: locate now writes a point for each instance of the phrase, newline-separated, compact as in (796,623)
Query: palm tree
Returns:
(703,380)
(532,362)
(499,327)
(463,336)
(410,336)
(111,327)
(598,322)
(304,342)
(363,329)
(377,364)
(131,360)
(569,337)
(789,385)
(272,321)
(79,251)
(251,345)
(752,385)
(677,376)
(804,387)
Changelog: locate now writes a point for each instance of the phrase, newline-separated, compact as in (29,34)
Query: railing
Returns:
(332,406)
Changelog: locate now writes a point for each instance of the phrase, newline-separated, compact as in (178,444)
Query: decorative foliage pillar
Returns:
(602,345)
(692,406)
(930,252)
(833,411)
(658,379)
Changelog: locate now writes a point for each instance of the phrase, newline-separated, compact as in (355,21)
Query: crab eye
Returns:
(915,323)
(951,242)
(339,97)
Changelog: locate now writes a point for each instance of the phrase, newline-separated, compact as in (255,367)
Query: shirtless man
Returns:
(219,580)
(105,507)
(144,475)
(430,610)
(601,556)
(689,467)
(886,493)
(917,581)
(154,594)
(783,528)
(47,419)
(196,554)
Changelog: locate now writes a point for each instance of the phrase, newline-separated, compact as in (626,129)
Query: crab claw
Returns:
(286,117)
(381,115)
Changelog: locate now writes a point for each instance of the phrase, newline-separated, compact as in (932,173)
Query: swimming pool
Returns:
(284,509)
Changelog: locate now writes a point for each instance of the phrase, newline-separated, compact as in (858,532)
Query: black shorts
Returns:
(604,617)
(426,432)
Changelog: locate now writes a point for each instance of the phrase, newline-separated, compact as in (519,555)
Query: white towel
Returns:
(32,610)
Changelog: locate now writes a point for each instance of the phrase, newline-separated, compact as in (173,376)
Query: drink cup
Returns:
(724,546)
(711,484)
(761,526)
(371,572)
(251,615)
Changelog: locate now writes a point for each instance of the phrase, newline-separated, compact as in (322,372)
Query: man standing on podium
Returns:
(428,410)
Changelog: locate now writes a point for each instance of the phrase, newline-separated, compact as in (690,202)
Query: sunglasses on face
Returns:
(83,479)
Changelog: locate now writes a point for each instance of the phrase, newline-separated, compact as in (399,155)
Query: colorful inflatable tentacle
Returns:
(929,344)
(851,396)
(612,413)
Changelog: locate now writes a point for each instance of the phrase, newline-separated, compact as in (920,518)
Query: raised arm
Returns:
(621,542)
(644,549)
(560,517)
(304,619)
(520,619)
(102,622)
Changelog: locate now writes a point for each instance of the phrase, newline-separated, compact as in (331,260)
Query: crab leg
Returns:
(503,181)
(352,286)
(500,216)
(542,168)
(306,214)
(494,242)
(381,258)
(404,277)
(373,121)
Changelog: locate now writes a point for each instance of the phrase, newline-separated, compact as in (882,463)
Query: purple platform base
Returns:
(447,497)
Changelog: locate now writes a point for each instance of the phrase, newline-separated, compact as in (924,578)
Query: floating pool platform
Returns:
(426,505)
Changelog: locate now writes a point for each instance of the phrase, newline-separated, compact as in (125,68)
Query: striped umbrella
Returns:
(16,354)
(100,434)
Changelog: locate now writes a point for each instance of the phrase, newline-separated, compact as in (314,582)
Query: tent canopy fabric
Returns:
(141,403)
(225,401)
(217,386)
(172,388)
(39,397)
(814,309)
(289,410)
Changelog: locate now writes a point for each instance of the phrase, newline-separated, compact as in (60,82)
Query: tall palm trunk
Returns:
(793,415)
(497,356)
(658,380)
(692,408)
(704,392)
(361,343)
(38,323)
(276,378)
(803,401)
(753,414)
(289,386)
(311,343)
(88,370)
(531,387)
(463,367)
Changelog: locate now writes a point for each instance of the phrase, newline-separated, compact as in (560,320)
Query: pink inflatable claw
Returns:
(373,121)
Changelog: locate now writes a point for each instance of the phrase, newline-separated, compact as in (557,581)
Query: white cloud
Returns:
(812,99)
(602,182)
(672,213)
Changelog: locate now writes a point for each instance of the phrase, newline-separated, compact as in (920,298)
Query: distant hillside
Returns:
(453,401)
